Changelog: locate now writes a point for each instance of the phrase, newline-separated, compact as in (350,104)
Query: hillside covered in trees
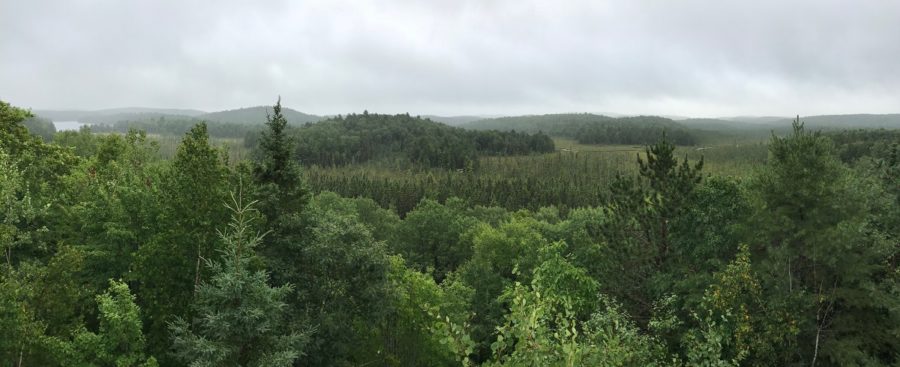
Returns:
(593,129)
(116,256)
(359,138)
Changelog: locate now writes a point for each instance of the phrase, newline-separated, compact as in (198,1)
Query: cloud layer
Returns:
(688,57)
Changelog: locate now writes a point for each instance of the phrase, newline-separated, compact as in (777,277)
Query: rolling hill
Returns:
(257,115)
(592,129)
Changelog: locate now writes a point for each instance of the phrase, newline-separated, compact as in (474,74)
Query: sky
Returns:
(456,57)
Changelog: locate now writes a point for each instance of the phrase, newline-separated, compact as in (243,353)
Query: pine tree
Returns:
(280,188)
(822,257)
(282,195)
(639,230)
(239,319)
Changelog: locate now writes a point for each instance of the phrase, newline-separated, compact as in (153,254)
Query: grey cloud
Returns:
(691,57)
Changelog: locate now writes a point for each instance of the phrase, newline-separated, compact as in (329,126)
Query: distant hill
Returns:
(358,138)
(453,120)
(249,115)
(589,128)
(829,122)
(257,115)
(856,121)
(754,119)
(114,114)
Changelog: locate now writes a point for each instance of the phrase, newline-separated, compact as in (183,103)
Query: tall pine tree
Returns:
(239,319)
(822,257)
(282,195)
(280,188)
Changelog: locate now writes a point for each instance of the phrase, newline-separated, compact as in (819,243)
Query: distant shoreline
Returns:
(68,125)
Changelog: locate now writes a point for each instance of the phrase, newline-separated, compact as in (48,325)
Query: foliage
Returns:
(432,237)
(639,232)
(821,257)
(41,127)
(188,200)
(119,341)
(17,211)
(544,328)
(239,319)
(41,164)
(594,129)
(577,257)
(363,137)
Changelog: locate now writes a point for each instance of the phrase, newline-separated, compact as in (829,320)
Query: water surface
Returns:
(68,125)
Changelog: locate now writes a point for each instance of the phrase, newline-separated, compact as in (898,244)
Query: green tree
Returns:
(638,255)
(119,341)
(22,337)
(734,323)
(17,212)
(239,318)
(822,258)
(41,164)
(281,190)
(282,195)
(346,289)
(41,127)
(501,257)
(168,266)
(432,237)
(560,321)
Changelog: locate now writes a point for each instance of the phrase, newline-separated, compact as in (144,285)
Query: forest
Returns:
(393,240)
(595,129)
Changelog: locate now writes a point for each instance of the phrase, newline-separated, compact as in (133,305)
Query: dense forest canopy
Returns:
(114,255)
(358,138)
(175,126)
(593,129)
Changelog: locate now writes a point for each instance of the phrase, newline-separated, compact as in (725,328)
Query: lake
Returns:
(68,125)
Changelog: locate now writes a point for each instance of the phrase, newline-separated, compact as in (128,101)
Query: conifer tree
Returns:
(239,318)
(822,257)
(639,230)
(280,188)
(169,266)
(282,195)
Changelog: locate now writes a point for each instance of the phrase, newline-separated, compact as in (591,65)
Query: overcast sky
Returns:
(454,57)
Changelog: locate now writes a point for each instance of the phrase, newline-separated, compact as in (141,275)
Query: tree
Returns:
(638,255)
(282,195)
(821,256)
(41,164)
(17,212)
(21,333)
(559,320)
(280,188)
(119,341)
(169,265)
(239,318)
(734,323)
(41,127)
(431,237)
(346,289)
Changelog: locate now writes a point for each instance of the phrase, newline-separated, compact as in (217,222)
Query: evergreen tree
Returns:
(169,266)
(637,260)
(280,188)
(282,194)
(239,318)
(822,258)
